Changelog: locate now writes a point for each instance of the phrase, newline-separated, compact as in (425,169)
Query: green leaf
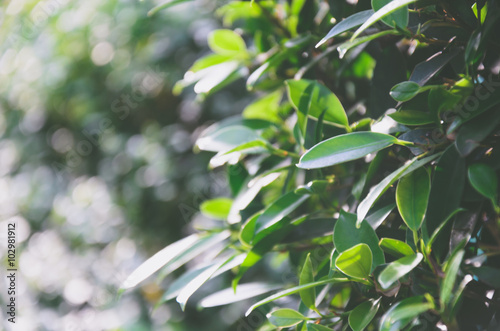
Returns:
(311,98)
(216,208)
(266,108)
(362,315)
(198,281)
(395,247)
(175,288)
(344,148)
(294,290)
(308,296)
(273,214)
(158,260)
(248,193)
(412,195)
(356,262)
(487,275)
(350,22)
(227,138)
(381,13)
(243,292)
(165,5)
(344,47)
(451,272)
(403,312)
(398,18)
(405,91)
(472,133)
(378,216)
(247,230)
(379,189)
(226,42)
(317,327)
(285,317)
(484,180)
(412,117)
(397,269)
(446,193)
(347,235)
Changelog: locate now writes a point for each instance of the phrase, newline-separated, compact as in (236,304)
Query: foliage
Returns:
(360,108)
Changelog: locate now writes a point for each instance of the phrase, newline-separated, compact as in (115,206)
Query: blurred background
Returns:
(96,161)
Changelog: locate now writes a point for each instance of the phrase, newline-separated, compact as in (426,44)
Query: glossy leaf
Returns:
(311,98)
(412,195)
(398,18)
(347,235)
(397,269)
(376,218)
(403,312)
(379,189)
(285,317)
(158,260)
(198,281)
(412,117)
(362,315)
(344,148)
(216,208)
(243,292)
(356,262)
(405,91)
(381,13)
(484,180)
(350,22)
(294,290)
(227,138)
(277,211)
(308,296)
(451,272)
(396,247)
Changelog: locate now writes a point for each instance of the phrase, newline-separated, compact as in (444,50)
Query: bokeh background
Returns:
(96,161)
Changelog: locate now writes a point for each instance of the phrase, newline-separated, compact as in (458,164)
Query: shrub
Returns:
(365,171)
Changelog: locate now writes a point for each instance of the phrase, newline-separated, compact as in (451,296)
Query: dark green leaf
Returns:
(446,193)
(484,180)
(317,327)
(405,91)
(379,189)
(412,195)
(343,148)
(472,133)
(412,117)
